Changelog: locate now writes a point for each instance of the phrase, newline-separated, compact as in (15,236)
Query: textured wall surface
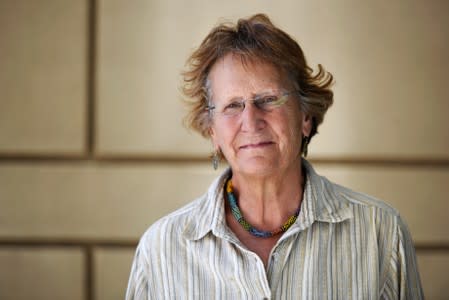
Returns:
(91,136)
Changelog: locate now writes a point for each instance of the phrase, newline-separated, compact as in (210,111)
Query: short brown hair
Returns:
(254,38)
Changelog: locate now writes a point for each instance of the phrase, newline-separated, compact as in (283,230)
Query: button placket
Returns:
(274,266)
(278,259)
(260,269)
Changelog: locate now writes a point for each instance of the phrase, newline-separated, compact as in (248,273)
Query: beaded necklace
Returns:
(248,227)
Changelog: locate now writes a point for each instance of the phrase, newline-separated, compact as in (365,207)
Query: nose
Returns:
(252,118)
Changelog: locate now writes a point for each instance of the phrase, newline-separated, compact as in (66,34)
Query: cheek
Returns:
(220,136)
(294,131)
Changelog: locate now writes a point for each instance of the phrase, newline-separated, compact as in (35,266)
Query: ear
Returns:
(306,125)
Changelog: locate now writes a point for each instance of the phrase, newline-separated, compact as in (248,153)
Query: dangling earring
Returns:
(215,159)
(305,143)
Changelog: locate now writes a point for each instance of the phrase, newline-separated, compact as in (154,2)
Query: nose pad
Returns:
(252,118)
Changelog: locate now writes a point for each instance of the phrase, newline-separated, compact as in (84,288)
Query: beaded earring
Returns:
(215,159)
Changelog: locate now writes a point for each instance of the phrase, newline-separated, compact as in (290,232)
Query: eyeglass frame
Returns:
(255,100)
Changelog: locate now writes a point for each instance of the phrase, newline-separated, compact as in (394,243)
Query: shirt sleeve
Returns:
(403,280)
(138,282)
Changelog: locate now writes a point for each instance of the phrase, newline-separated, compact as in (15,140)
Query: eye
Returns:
(234,105)
(269,102)
(265,102)
(268,99)
(233,108)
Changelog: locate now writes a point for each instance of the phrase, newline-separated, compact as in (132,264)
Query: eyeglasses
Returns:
(266,103)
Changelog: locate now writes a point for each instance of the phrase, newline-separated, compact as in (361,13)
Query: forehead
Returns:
(233,76)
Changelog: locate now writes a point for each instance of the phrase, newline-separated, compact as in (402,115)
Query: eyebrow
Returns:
(256,95)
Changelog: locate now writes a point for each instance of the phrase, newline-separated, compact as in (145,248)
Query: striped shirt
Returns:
(343,245)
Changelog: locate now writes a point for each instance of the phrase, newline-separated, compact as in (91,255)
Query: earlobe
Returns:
(213,140)
(212,137)
(306,125)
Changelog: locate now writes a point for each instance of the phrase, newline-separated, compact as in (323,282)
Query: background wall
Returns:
(91,139)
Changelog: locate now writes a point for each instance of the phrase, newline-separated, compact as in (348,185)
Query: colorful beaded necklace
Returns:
(248,227)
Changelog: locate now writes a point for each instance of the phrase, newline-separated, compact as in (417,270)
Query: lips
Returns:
(256,145)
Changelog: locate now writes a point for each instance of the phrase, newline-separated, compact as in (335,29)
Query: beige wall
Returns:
(92,146)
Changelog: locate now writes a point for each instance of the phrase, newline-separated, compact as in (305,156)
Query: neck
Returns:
(268,201)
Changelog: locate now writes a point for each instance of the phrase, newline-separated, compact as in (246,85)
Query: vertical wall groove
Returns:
(90,127)
(89,292)
(91,77)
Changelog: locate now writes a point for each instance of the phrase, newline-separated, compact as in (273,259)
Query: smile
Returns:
(256,145)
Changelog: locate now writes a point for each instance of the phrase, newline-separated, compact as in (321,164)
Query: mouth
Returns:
(256,145)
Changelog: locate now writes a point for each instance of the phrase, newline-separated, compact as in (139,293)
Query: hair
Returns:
(254,39)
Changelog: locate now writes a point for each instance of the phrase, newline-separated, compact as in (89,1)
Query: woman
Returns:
(269,227)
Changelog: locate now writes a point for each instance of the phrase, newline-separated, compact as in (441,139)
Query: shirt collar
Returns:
(321,202)
(209,214)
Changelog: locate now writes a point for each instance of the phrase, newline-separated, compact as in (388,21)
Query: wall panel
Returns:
(41,274)
(93,201)
(433,270)
(390,62)
(112,269)
(390,92)
(43,79)
(121,201)
(419,194)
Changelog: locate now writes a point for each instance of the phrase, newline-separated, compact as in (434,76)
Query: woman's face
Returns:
(255,142)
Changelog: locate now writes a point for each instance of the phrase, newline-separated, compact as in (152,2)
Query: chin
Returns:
(257,167)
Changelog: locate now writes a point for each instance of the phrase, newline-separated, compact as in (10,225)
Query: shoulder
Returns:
(336,202)
(171,226)
(371,215)
(366,210)
(332,194)
(375,222)
(361,211)
(192,220)
(359,199)
(159,249)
